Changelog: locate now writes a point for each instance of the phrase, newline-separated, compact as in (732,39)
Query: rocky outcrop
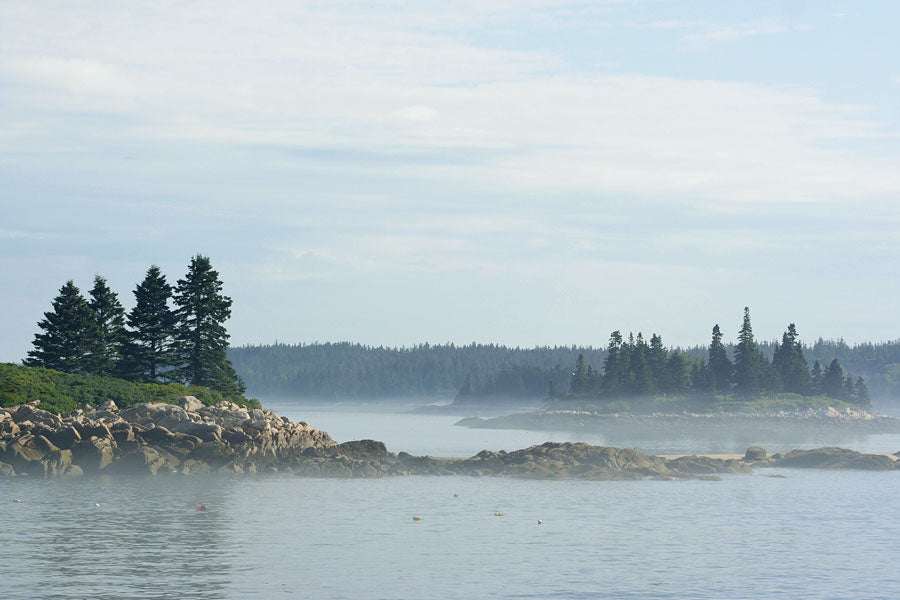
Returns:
(190,438)
(187,437)
(833,458)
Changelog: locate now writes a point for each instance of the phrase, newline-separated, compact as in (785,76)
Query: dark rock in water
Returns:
(366,448)
(755,454)
(833,458)
(6,470)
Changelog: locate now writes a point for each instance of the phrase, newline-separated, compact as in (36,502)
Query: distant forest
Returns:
(328,371)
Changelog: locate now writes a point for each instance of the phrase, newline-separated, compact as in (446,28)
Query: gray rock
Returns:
(6,470)
(109,405)
(208,432)
(833,458)
(93,455)
(755,454)
(144,460)
(190,403)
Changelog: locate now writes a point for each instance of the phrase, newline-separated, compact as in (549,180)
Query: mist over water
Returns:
(810,534)
(436,435)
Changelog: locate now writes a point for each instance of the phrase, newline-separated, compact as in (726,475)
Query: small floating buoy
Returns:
(18,500)
(417,518)
(498,514)
(96,504)
(539,521)
(456,495)
(200,507)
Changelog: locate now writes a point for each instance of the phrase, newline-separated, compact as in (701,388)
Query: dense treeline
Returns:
(174,334)
(352,371)
(636,368)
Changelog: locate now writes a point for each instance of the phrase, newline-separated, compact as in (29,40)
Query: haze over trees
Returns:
(633,369)
(157,343)
(491,373)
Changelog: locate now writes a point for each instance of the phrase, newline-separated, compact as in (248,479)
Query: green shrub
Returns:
(63,392)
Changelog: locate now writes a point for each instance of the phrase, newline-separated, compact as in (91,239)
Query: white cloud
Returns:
(718,34)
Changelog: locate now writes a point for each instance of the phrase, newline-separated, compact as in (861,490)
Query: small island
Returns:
(153,392)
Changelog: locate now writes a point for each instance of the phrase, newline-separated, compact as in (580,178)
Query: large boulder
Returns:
(143,461)
(6,470)
(64,438)
(94,454)
(109,405)
(57,462)
(190,403)
(755,454)
(833,458)
(208,432)
(25,450)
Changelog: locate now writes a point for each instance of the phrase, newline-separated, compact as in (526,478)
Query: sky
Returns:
(524,172)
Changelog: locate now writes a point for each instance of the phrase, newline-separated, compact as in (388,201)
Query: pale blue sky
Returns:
(515,171)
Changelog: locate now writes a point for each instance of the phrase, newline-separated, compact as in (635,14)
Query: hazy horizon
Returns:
(536,173)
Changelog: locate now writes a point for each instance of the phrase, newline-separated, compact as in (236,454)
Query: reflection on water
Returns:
(812,534)
(144,540)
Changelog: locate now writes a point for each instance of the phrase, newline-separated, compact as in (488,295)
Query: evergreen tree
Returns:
(833,380)
(466,389)
(106,347)
(790,364)
(201,339)
(815,378)
(658,357)
(68,333)
(720,368)
(678,374)
(849,390)
(641,378)
(614,366)
(747,364)
(147,353)
(578,384)
(861,393)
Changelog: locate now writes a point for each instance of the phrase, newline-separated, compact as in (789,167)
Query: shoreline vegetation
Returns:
(497,375)
(189,438)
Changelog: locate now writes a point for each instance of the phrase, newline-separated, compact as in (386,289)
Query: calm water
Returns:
(812,534)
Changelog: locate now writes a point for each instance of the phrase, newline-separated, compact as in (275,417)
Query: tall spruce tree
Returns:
(720,367)
(579,382)
(790,364)
(148,353)
(106,347)
(614,365)
(201,339)
(658,358)
(815,378)
(861,393)
(68,333)
(747,361)
(833,380)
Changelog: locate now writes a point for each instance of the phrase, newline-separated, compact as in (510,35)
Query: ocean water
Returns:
(808,534)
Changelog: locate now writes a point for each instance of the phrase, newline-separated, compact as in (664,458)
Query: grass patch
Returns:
(63,392)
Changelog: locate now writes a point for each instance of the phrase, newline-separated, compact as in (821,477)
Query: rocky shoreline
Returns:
(848,420)
(189,438)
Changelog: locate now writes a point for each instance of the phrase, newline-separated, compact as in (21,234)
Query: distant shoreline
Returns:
(849,420)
